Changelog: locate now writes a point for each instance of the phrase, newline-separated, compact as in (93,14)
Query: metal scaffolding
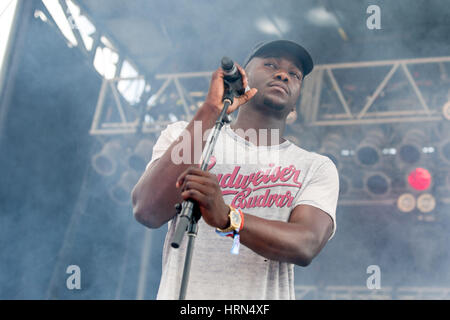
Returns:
(189,91)
(128,120)
(362,114)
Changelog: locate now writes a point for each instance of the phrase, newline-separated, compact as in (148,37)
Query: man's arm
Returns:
(155,194)
(297,241)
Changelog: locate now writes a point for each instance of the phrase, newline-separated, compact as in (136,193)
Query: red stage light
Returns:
(419,179)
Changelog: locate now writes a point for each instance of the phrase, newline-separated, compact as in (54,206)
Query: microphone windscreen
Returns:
(227,64)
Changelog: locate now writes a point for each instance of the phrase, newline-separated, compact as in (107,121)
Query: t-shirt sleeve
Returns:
(168,135)
(322,191)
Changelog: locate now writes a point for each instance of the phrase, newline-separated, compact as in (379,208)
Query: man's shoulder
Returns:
(174,129)
(177,125)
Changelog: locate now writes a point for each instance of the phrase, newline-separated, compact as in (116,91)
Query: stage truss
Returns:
(190,88)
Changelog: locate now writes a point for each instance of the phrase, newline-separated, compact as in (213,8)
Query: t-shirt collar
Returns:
(239,139)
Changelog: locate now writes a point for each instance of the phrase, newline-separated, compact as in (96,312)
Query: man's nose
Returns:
(282,76)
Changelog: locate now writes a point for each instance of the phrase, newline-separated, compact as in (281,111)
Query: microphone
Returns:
(233,77)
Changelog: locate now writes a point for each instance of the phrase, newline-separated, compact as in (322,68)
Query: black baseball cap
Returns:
(290,46)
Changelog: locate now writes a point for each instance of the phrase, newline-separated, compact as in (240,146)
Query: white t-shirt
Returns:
(265,181)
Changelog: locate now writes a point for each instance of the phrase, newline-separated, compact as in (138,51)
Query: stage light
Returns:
(406,202)
(344,185)
(368,152)
(377,184)
(105,162)
(426,203)
(277,26)
(419,179)
(141,155)
(410,150)
(331,148)
(322,17)
(121,192)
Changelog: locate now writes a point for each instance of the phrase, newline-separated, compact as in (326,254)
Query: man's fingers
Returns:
(216,90)
(194,180)
(217,74)
(244,76)
(194,171)
(216,87)
(195,195)
(238,101)
(192,185)
(248,95)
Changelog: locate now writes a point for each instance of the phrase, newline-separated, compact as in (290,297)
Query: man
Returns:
(281,204)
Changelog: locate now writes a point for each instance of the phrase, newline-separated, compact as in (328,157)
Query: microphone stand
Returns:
(188,211)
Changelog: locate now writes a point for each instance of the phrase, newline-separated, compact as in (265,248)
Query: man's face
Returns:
(278,77)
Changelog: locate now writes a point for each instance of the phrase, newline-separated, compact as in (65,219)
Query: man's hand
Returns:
(217,89)
(203,188)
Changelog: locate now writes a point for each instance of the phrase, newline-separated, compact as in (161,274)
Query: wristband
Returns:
(234,233)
